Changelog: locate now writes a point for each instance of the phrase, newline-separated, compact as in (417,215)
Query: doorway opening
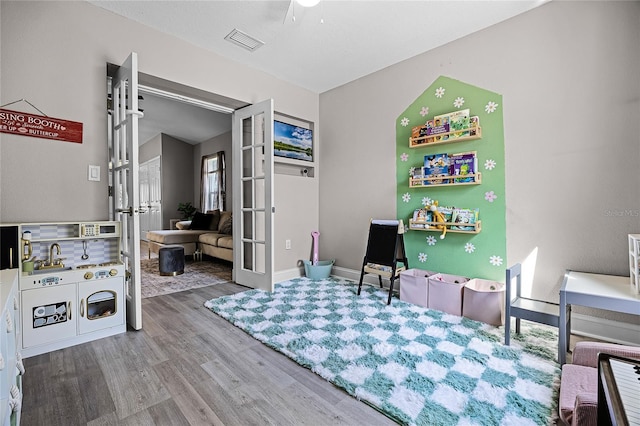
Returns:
(180,129)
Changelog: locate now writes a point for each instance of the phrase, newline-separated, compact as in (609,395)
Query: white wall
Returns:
(568,73)
(177,185)
(54,54)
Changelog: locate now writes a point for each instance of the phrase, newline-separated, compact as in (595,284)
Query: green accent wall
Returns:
(482,255)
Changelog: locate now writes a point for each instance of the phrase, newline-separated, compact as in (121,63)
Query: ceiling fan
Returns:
(303,3)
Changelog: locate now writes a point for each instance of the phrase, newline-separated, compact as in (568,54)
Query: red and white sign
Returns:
(39,126)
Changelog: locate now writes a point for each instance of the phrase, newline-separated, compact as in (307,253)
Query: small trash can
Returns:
(319,271)
(171,260)
(484,301)
(445,293)
(414,286)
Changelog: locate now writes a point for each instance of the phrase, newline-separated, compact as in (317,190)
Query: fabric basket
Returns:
(484,301)
(445,293)
(414,286)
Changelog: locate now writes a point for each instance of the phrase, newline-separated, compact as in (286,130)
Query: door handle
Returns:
(131,211)
(69,310)
(81,307)
(140,114)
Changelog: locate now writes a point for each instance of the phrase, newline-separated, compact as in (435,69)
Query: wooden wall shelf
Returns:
(477,227)
(419,182)
(420,142)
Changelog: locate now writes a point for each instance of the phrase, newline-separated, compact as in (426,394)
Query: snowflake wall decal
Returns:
(404,156)
(489,164)
(406,197)
(404,122)
(490,196)
(424,111)
(458,102)
(469,248)
(422,257)
(431,240)
(439,92)
(426,201)
(490,107)
(495,260)
(412,170)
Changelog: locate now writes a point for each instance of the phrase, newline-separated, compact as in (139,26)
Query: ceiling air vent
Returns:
(244,40)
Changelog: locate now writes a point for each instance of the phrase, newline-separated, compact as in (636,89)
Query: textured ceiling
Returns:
(356,38)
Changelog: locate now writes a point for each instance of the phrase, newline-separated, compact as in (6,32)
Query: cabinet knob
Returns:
(88,275)
(113,272)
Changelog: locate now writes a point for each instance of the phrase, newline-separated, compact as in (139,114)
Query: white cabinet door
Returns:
(101,304)
(48,315)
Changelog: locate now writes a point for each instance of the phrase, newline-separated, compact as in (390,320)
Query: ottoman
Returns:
(171,260)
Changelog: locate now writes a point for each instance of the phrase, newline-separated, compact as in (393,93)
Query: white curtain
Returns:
(212,188)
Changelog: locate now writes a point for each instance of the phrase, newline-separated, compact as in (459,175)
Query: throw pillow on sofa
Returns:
(226,226)
(215,219)
(201,221)
(183,224)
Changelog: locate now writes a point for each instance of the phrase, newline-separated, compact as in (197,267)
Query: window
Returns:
(212,194)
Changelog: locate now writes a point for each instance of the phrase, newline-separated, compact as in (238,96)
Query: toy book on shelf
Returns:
(464,219)
(437,165)
(457,120)
(416,176)
(464,164)
(446,218)
(422,215)
(440,125)
(447,212)
(474,123)
(444,127)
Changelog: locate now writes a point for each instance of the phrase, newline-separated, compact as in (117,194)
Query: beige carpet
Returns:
(196,275)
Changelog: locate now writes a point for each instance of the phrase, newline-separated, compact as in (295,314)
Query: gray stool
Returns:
(171,260)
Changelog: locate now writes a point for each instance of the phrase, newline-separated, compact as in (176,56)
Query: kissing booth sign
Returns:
(40,126)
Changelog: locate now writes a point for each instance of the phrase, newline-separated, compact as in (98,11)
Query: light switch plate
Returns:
(94,173)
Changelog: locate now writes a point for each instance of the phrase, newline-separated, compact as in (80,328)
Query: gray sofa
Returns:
(213,237)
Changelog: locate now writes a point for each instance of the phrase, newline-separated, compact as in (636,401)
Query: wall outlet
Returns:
(287,244)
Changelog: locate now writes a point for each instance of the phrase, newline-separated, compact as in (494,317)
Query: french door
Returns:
(253,209)
(150,196)
(123,167)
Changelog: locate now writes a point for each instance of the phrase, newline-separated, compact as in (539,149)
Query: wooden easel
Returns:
(385,248)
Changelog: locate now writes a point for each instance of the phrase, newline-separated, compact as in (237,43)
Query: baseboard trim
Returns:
(336,271)
(352,274)
(287,274)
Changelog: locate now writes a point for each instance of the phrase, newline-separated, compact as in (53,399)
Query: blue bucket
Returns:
(319,271)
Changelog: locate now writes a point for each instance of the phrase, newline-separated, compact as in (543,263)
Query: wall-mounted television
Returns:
(291,141)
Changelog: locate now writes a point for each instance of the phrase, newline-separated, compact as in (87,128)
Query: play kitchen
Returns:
(72,284)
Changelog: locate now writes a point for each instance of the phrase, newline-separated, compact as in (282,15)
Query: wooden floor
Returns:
(187,366)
